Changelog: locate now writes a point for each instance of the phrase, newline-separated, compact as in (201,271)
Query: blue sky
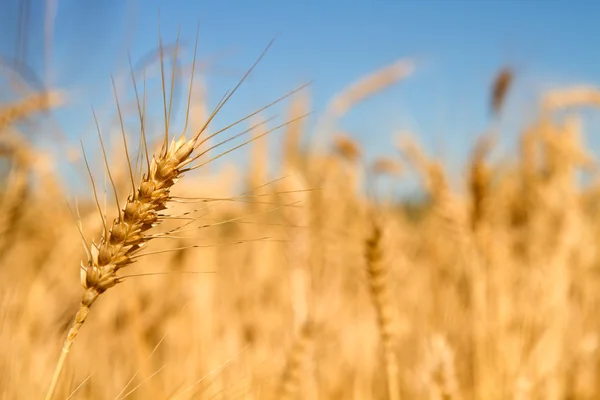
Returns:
(460,45)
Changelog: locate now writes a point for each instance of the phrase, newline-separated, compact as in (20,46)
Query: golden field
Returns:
(489,289)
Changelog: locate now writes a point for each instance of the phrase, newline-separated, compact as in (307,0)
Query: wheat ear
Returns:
(380,291)
(128,234)
(12,113)
(298,357)
(120,244)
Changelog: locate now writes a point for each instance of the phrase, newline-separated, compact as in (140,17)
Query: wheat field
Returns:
(304,284)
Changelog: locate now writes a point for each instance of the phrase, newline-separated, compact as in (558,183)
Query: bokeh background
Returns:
(431,225)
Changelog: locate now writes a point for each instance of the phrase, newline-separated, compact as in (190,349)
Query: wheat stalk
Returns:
(576,96)
(129,233)
(382,299)
(500,88)
(9,114)
(369,85)
(298,357)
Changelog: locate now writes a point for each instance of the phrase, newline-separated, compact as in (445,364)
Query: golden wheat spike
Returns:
(297,360)
(12,113)
(370,85)
(387,166)
(347,147)
(576,96)
(122,241)
(500,88)
(379,286)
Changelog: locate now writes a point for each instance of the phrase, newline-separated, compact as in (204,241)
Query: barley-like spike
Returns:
(18,111)
(297,359)
(127,235)
(382,299)
(120,245)
(500,88)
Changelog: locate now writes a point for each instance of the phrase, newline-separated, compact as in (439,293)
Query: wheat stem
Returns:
(381,295)
(84,308)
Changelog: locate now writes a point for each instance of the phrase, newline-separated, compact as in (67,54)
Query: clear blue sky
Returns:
(461,44)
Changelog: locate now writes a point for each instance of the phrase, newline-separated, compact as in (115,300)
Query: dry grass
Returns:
(490,292)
